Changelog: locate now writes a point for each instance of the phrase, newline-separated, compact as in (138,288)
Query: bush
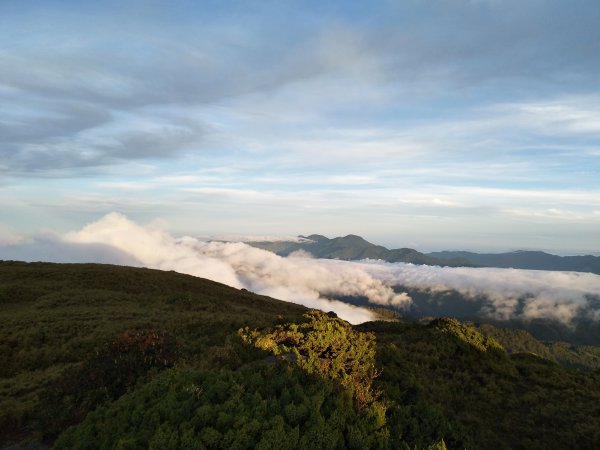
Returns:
(112,371)
(228,409)
(328,347)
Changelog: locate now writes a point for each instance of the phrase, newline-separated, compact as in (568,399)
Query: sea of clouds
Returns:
(504,293)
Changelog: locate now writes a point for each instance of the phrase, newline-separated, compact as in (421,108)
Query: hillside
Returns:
(118,357)
(54,316)
(477,396)
(520,341)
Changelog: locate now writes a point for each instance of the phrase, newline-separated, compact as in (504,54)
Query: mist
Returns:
(502,293)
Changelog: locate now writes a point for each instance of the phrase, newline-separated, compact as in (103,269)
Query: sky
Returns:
(437,125)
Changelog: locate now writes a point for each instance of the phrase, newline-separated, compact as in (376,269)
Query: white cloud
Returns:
(153,248)
(298,279)
(569,115)
(501,293)
(9,236)
(504,292)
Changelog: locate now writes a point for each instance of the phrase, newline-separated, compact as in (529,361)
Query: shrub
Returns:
(325,346)
(109,373)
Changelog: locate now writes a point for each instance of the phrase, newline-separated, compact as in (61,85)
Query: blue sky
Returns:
(442,124)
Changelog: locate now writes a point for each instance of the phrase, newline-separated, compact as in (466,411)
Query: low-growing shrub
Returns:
(109,373)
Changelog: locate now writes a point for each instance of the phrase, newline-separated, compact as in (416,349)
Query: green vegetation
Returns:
(330,348)
(96,356)
(465,334)
(263,406)
(55,317)
(114,369)
(566,354)
(442,384)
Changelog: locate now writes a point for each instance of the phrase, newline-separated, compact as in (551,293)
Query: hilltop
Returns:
(120,357)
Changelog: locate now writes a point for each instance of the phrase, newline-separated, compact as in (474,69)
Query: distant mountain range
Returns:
(354,247)
(525,260)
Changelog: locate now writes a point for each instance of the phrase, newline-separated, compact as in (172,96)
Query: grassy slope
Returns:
(53,316)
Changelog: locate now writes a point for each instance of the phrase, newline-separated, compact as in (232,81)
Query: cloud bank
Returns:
(501,293)
(299,280)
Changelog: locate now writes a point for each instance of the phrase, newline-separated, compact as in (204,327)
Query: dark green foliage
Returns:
(55,316)
(112,371)
(566,354)
(441,386)
(466,334)
(263,406)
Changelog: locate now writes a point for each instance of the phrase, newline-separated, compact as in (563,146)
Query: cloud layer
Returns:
(502,293)
(300,280)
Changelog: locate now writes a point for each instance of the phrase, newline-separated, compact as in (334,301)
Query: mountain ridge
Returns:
(354,247)
(526,259)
